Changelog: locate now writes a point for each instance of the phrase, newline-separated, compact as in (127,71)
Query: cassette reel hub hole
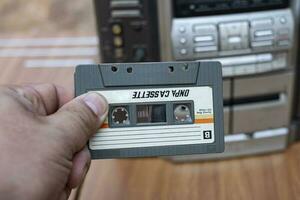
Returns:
(120,116)
(171,69)
(185,67)
(114,69)
(182,113)
(129,70)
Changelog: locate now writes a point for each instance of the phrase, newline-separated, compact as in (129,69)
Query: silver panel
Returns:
(230,44)
(263,115)
(253,63)
(266,62)
(242,145)
(261,85)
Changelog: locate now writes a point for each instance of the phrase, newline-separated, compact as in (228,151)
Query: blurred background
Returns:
(257,43)
(47,17)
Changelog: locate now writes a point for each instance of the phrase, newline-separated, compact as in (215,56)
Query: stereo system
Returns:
(253,39)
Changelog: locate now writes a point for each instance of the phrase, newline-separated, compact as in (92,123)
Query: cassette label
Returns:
(156,109)
(150,108)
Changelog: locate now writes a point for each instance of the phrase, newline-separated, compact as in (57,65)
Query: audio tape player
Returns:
(253,39)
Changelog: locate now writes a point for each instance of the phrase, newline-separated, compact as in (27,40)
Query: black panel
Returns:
(192,8)
(138,39)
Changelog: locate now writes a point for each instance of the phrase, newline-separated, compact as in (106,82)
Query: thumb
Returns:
(79,119)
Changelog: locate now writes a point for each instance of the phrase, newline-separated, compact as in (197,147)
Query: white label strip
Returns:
(49,63)
(146,130)
(150,144)
(196,136)
(157,136)
(52,41)
(126,138)
(48,52)
(150,136)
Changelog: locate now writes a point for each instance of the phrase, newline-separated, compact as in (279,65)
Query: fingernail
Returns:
(96,103)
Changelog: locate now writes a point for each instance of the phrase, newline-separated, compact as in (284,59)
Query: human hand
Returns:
(43,134)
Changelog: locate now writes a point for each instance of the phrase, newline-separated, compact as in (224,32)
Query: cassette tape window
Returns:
(151,113)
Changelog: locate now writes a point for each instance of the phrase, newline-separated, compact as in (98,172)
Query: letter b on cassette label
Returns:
(207,134)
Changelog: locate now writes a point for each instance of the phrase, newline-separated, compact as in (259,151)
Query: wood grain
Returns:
(273,177)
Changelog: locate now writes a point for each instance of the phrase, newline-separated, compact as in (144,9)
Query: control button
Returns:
(182,29)
(183,40)
(117,29)
(205,38)
(234,40)
(205,49)
(284,32)
(118,41)
(123,4)
(283,20)
(266,43)
(205,29)
(125,13)
(119,53)
(280,61)
(183,51)
(262,22)
(264,33)
(284,43)
(234,35)
(260,58)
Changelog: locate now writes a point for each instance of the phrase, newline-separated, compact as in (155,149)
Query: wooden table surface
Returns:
(273,176)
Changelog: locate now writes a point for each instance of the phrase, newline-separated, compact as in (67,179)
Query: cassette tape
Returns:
(156,109)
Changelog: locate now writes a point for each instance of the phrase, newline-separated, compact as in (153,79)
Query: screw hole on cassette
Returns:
(185,67)
(171,69)
(129,70)
(114,69)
